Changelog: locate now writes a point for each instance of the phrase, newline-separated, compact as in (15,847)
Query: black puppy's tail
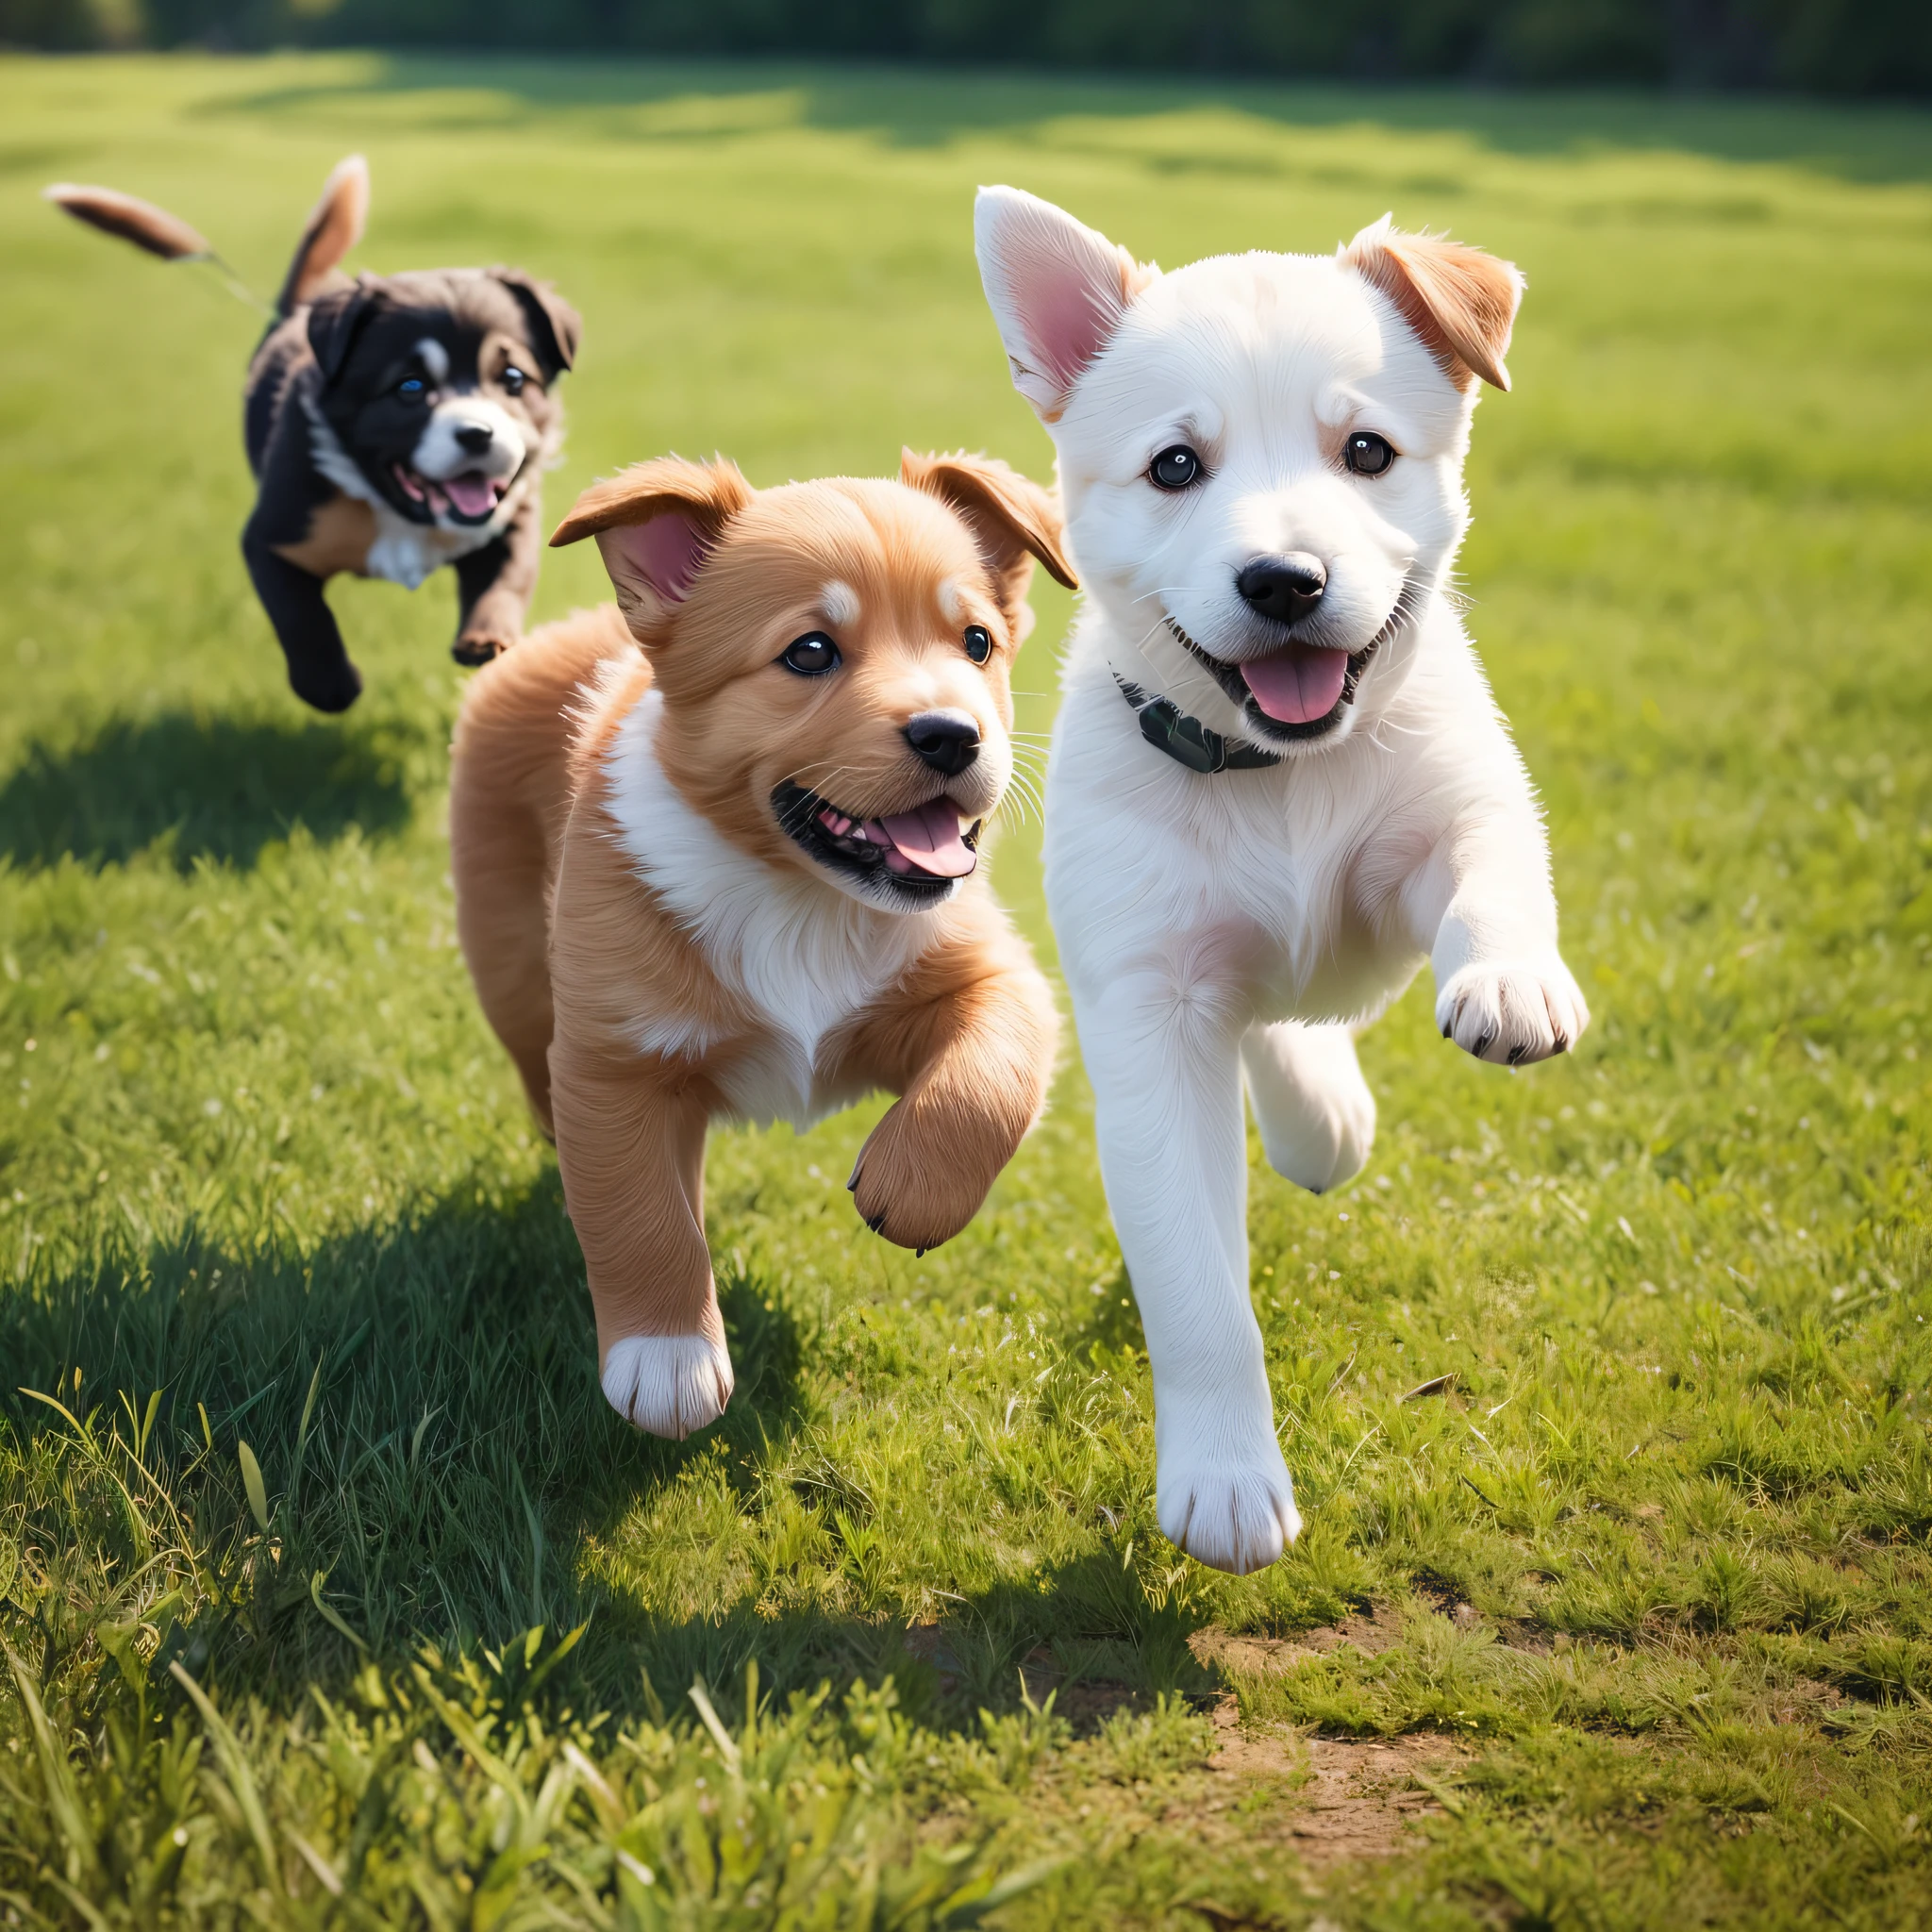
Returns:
(334,227)
(139,222)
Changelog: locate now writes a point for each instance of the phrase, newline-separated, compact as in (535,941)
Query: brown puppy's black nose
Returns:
(1283,588)
(475,436)
(946,740)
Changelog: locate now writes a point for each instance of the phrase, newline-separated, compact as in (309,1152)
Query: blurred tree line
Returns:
(1827,46)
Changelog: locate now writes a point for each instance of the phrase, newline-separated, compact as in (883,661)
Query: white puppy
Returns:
(1278,780)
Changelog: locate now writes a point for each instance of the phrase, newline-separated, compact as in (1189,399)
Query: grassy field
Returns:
(331,1592)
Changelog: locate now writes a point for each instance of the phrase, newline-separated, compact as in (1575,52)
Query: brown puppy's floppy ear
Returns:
(1460,301)
(655,522)
(556,328)
(1012,521)
(336,318)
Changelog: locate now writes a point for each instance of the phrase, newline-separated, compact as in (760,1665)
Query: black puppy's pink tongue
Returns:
(473,496)
(930,837)
(1298,685)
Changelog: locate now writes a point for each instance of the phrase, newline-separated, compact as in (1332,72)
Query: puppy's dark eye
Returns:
(978,643)
(1178,468)
(811,655)
(1367,453)
(410,388)
(513,380)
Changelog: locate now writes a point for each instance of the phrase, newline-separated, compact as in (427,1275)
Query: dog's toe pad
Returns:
(668,1385)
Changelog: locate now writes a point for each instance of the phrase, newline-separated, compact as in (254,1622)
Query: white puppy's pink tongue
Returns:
(930,837)
(1298,685)
(473,496)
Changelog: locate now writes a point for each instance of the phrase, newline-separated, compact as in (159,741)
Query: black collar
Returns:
(1187,740)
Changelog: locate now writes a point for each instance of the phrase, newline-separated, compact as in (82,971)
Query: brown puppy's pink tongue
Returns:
(930,837)
(471,495)
(1298,685)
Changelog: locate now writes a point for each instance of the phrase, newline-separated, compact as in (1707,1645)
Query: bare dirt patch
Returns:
(1806,1702)
(1351,1798)
(1370,1630)
(1333,1799)
(1367,1630)
(1339,1798)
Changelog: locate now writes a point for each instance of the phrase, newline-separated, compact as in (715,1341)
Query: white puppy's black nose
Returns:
(475,436)
(946,740)
(1283,588)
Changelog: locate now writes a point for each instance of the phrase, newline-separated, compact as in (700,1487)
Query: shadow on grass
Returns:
(218,788)
(458,1453)
(424,1405)
(932,106)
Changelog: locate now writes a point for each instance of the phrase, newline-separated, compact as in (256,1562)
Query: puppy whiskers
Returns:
(1027,801)
(824,783)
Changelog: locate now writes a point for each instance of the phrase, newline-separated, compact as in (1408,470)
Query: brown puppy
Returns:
(734,873)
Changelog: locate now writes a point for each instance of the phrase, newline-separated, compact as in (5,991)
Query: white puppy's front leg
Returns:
(1483,908)
(1162,1050)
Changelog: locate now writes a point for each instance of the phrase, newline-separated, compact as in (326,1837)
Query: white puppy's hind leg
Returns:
(1315,1111)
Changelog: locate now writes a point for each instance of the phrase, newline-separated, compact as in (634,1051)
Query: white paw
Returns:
(1510,1014)
(1236,1516)
(668,1385)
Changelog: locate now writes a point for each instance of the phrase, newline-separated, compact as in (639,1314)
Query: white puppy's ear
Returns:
(1057,290)
(656,523)
(1460,301)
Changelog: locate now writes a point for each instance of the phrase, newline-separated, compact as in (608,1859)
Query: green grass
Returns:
(1658,1560)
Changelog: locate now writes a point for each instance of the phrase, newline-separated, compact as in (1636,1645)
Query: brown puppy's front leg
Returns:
(973,1066)
(495,586)
(630,1142)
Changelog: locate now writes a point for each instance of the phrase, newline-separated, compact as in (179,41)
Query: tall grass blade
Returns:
(556,1658)
(59,1407)
(241,1781)
(965,1908)
(56,1778)
(727,1745)
(333,1618)
(302,1433)
(252,1482)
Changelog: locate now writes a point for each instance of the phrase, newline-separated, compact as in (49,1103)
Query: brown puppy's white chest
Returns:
(783,962)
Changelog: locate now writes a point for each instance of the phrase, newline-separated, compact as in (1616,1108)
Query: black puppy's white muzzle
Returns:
(464,463)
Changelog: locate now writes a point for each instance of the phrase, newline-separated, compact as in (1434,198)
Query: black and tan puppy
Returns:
(394,424)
